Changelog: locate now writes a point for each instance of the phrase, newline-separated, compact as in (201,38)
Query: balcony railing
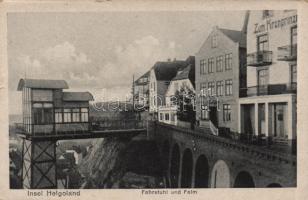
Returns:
(272,89)
(260,58)
(287,53)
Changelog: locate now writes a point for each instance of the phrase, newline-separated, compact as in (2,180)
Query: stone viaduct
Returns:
(197,159)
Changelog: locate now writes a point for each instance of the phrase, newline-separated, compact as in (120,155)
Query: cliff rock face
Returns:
(122,163)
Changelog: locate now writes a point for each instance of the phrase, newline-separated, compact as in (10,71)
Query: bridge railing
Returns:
(55,129)
(108,124)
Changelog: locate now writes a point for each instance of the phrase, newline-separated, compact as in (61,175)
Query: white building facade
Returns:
(269,108)
(167,113)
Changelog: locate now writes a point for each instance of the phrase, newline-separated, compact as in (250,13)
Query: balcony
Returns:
(287,53)
(260,58)
(272,89)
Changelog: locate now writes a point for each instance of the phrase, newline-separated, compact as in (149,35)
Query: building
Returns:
(161,75)
(269,109)
(48,110)
(141,91)
(220,73)
(185,79)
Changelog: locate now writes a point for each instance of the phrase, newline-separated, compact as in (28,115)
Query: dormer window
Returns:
(267,13)
(214,41)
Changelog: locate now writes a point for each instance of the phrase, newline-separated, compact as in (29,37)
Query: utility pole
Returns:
(133,92)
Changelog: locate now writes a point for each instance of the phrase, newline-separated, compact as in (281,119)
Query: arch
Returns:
(202,172)
(220,175)
(187,167)
(175,166)
(274,185)
(165,160)
(244,180)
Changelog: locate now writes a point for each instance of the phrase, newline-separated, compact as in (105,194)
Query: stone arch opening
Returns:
(175,166)
(220,177)
(244,180)
(187,167)
(274,185)
(202,172)
(165,160)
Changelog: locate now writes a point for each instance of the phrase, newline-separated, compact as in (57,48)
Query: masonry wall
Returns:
(264,167)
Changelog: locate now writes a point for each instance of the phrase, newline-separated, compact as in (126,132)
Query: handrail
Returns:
(213,128)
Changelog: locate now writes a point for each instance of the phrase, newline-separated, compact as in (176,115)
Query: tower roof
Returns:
(42,84)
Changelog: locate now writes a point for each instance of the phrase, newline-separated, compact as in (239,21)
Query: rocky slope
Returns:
(122,163)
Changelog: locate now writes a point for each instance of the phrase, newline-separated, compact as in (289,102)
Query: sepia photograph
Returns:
(152,100)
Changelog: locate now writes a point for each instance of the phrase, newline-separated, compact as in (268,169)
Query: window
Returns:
(211,65)
(76,115)
(262,42)
(202,66)
(219,63)
(294,35)
(43,113)
(214,40)
(211,86)
(161,116)
(204,109)
(172,117)
(227,112)
(84,114)
(167,116)
(67,115)
(262,77)
(229,87)
(58,115)
(294,73)
(267,13)
(203,90)
(219,88)
(228,61)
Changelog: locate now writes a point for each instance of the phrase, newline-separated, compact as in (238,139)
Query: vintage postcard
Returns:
(170,99)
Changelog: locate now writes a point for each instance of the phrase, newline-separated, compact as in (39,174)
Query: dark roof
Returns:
(77,96)
(183,74)
(42,84)
(188,72)
(235,36)
(165,71)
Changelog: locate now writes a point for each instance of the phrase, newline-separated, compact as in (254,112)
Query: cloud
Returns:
(64,61)
(135,58)
(65,53)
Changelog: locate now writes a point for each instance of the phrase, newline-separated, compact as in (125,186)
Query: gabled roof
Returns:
(145,75)
(166,71)
(235,36)
(185,73)
(42,84)
(77,96)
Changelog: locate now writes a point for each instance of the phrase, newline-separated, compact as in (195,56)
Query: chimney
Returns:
(245,25)
(169,59)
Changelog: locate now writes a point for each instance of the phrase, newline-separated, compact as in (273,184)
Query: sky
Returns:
(100,52)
